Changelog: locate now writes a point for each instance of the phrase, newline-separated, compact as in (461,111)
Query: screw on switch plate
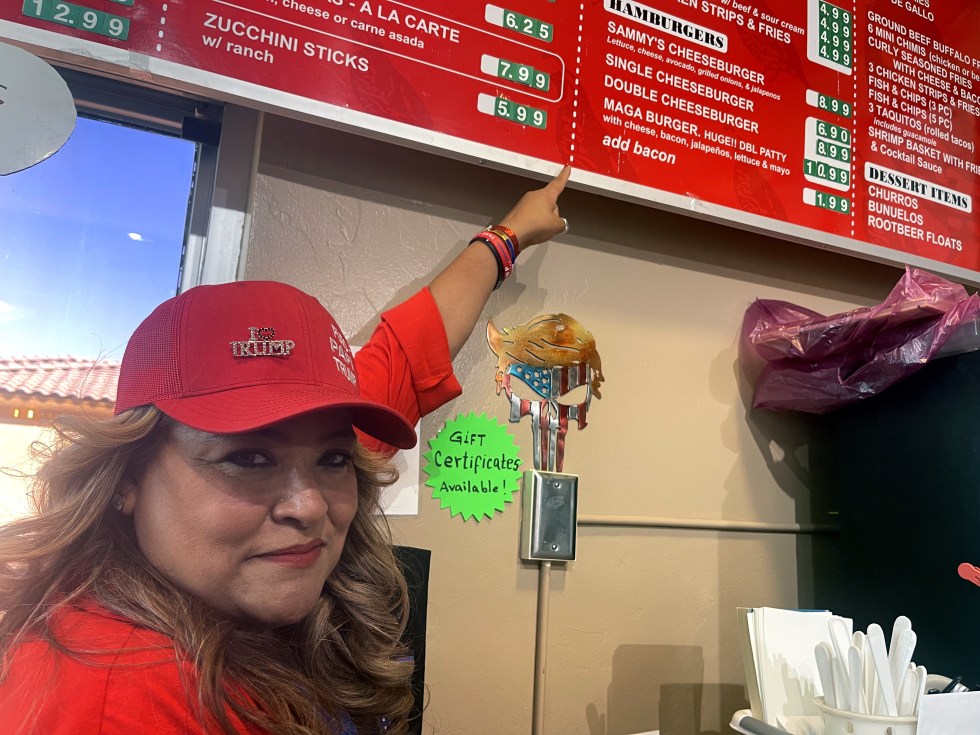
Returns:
(549,516)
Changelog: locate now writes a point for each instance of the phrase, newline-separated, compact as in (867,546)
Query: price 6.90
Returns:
(77,16)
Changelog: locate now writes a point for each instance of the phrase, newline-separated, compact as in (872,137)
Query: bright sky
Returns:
(91,240)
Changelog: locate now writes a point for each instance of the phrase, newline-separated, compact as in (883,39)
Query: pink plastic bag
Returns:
(803,361)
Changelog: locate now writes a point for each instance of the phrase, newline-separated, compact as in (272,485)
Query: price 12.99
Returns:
(78,16)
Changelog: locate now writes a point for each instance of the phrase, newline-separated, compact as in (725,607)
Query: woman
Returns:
(209,560)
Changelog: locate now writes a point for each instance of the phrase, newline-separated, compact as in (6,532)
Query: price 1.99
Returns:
(825,200)
(78,16)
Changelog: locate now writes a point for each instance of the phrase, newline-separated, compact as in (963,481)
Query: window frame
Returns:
(228,138)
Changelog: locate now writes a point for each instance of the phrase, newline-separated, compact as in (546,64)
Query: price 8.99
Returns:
(834,105)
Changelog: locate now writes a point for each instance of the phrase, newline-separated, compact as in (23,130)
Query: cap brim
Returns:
(254,407)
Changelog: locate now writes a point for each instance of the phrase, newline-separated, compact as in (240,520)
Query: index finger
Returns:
(557,184)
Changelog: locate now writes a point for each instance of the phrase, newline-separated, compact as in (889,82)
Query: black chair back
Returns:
(415,566)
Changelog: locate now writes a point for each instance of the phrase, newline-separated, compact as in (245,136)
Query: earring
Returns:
(117,502)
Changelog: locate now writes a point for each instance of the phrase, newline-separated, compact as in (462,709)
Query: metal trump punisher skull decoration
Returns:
(552,355)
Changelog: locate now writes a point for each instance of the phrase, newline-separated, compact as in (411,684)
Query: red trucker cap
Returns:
(239,356)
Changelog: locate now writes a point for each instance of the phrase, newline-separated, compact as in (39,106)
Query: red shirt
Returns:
(406,364)
(132,682)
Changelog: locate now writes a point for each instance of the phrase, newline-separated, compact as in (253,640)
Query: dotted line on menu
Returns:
(163,22)
(854,115)
(578,81)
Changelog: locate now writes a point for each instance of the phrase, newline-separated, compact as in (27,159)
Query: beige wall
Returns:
(15,463)
(642,625)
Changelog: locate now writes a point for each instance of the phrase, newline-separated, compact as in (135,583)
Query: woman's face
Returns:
(252,524)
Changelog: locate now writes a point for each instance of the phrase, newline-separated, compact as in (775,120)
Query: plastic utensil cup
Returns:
(838,722)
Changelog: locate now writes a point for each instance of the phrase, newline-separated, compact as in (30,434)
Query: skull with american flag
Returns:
(552,355)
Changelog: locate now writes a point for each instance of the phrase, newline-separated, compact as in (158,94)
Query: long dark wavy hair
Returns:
(343,657)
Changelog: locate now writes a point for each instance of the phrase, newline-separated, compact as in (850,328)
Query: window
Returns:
(93,239)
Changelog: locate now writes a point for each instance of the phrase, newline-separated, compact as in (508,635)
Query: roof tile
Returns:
(60,377)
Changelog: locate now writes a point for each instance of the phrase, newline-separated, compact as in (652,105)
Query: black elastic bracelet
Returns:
(496,256)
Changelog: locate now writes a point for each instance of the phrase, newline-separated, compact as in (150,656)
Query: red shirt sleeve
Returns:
(124,680)
(406,364)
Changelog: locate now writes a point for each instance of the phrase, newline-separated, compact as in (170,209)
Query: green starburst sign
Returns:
(473,466)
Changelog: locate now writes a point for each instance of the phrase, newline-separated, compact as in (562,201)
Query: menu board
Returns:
(850,125)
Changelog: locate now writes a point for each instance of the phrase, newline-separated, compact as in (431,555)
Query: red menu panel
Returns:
(852,124)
